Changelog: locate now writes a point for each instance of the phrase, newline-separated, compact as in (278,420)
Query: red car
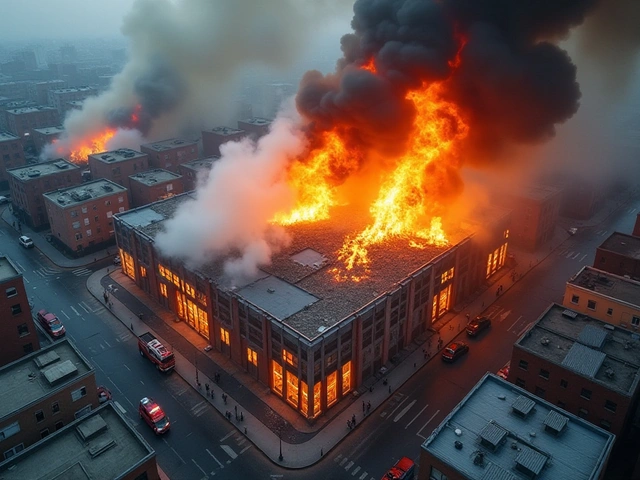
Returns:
(51,324)
(154,416)
(104,394)
(504,371)
(454,351)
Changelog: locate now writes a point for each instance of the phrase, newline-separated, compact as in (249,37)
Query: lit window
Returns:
(163,290)
(317,394)
(276,370)
(289,357)
(224,336)
(446,276)
(143,271)
(332,388)
(292,389)
(252,356)
(506,233)
(346,377)
(304,393)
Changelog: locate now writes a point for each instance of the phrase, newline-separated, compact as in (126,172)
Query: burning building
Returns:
(295,325)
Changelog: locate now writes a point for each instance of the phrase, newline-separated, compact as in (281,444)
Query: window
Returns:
(59,425)
(39,416)
(163,290)
(591,304)
(540,392)
(635,321)
(611,406)
(436,474)
(88,232)
(524,365)
(86,222)
(44,433)
(143,271)
(346,377)
(583,413)
(252,356)
(75,224)
(74,213)
(289,358)
(84,209)
(11,292)
(96,219)
(575,299)
(120,199)
(121,209)
(11,452)
(109,214)
(224,336)
(23,330)
(94,207)
(292,389)
(78,394)
(78,236)
(332,388)
(55,407)
(27,348)
(609,311)
(520,382)
(544,373)
(276,371)
(16,309)
(586,394)
(9,430)
(169,187)
(107,202)
(564,383)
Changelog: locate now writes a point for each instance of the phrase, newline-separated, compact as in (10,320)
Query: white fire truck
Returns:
(150,347)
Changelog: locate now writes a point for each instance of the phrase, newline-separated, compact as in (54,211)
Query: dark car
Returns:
(51,324)
(153,416)
(454,350)
(477,325)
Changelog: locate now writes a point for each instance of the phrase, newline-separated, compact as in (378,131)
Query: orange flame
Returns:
(81,150)
(369,66)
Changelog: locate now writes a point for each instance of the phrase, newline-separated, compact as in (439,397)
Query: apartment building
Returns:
(195,172)
(212,139)
(18,336)
(81,217)
(39,91)
(59,98)
(619,254)
(44,136)
(153,185)
(42,392)
(11,155)
(20,121)
(28,183)
(170,154)
(255,127)
(118,165)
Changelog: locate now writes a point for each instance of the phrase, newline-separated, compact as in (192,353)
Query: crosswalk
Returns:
(356,471)
(570,254)
(82,272)
(46,272)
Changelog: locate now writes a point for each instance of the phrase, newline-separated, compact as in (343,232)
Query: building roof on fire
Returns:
(502,432)
(608,285)
(622,244)
(596,350)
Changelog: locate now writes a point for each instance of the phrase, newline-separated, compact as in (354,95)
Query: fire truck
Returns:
(150,347)
(404,469)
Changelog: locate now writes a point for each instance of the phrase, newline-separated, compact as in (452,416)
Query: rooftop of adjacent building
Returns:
(32,172)
(37,375)
(73,90)
(169,144)
(201,163)
(11,105)
(226,131)
(7,137)
(7,269)
(50,130)
(153,177)
(26,110)
(535,193)
(101,444)
(70,196)
(46,82)
(501,432)
(256,121)
(119,155)
(75,103)
(596,350)
(608,284)
(622,244)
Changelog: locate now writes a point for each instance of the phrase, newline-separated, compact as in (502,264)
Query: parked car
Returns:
(572,231)
(504,371)
(153,416)
(104,394)
(477,325)
(25,241)
(116,260)
(3,200)
(51,324)
(454,351)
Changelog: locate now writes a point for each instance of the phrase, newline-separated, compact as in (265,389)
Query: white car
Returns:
(572,231)
(25,241)
(116,260)
(3,200)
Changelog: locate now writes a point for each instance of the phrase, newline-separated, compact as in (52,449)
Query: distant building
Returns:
(636,227)
(44,136)
(81,216)
(41,393)
(118,165)
(153,185)
(18,336)
(169,154)
(212,139)
(39,91)
(28,183)
(255,127)
(59,98)
(21,121)
(11,155)
(585,366)
(195,171)
(501,432)
(15,90)
(102,444)
(619,254)
(605,296)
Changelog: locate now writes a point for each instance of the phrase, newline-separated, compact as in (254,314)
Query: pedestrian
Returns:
(236,407)
(389,388)
(353,420)
(349,424)
(321,451)
(206,387)
(132,327)
(241,417)
(468,316)
(368,406)
(414,366)
(140,315)
(363,406)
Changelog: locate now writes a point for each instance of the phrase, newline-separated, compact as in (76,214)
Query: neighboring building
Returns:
(535,213)
(118,165)
(44,136)
(153,185)
(18,336)
(195,171)
(41,393)
(15,90)
(12,105)
(636,227)
(586,366)
(212,139)
(59,98)
(39,91)
(619,254)
(102,444)
(11,155)
(27,184)
(605,296)
(501,432)
(297,325)
(255,127)
(81,216)
(169,154)
(20,121)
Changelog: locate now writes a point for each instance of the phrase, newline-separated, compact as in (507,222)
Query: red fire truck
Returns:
(404,469)
(150,347)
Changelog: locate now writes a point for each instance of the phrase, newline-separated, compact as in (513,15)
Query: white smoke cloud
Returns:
(232,212)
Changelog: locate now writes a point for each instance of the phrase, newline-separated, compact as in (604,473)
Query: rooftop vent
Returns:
(91,427)
(46,359)
(458,444)
(545,341)
(60,372)
(34,172)
(569,314)
(522,406)
(81,195)
(61,165)
(530,461)
(107,188)
(610,373)
(101,447)
(492,435)
(478,458)
(555,422)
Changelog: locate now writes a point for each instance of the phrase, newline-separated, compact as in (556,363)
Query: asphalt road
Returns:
(202,444)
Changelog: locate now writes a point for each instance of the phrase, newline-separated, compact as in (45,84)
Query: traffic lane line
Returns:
(414,418)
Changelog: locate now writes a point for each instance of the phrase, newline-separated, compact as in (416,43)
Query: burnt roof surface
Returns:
(608,284)
(622,244)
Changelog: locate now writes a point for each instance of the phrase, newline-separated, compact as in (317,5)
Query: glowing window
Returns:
(317,393)
(292,389)
(446,276)
(506,233)
(127,261)
(289,357)
(346,377)
(332,388)
(224,336)
(276,374)
(252,356)
(304,393)
(143,272)
(163,290)
(176,280)
(189,290)
(162,271)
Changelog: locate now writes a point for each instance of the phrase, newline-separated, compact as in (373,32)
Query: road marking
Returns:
(403,411)
(575,256)
(514,324)
(229,451)
(203,472)
(425,425)
(125,366)
(26,279)
(398,406)
(583,257)
(20,266)
(355,471)
(416,416)
(245,449)
(348,466)
(87,306)
(337,458)
(569,254)
(344,460)
(199,409)
(107,344)
(63,312)
(504,316)
(120,407)
(241,441)
(363,476)
(71,307)
(82,307)
(227,435)
(214,457)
